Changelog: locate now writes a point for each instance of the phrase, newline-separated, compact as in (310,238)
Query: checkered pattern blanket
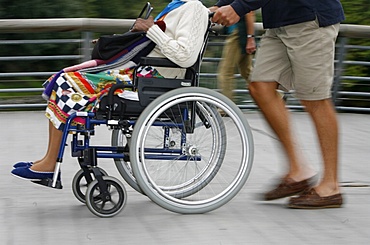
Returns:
(81,91)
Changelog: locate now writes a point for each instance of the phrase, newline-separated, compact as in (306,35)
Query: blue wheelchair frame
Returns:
(87,155)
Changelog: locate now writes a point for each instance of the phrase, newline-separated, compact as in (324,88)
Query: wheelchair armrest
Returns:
(154,61)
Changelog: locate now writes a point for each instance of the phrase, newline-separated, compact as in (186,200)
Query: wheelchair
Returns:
(189,149)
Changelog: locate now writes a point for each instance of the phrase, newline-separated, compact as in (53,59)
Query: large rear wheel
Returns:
(193,150)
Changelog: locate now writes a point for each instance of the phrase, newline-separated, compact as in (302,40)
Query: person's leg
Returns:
(273,108)
(227,65)
(325,121)
(313,67)
(49,139)
(47,163)
(272,68)
(245,67)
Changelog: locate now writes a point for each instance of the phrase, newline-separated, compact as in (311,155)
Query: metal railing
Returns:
(87,27)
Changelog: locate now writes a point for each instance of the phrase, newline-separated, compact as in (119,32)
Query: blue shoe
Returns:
(22,164)
(29,174)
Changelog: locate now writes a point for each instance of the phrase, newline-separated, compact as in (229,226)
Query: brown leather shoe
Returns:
(309,199)
(289,187)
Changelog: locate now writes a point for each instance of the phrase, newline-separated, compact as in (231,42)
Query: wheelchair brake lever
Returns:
(110,95)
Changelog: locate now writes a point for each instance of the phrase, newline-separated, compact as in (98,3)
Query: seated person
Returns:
(186,23)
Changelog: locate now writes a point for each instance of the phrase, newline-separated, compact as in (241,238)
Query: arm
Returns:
(242,7)
(251,43)
(230,11)
(184,35)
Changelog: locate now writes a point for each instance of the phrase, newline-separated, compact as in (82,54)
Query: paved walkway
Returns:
(32,214)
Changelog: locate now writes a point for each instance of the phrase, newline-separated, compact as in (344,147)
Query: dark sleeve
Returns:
(243,7)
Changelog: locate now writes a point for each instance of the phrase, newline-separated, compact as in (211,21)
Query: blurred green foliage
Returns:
(357,12)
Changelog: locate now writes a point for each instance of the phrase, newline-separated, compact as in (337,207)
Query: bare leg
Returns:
(50,136)
(47,163)
(325,120)
(273,108)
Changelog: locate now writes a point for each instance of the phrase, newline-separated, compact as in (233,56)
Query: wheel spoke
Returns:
(203,166)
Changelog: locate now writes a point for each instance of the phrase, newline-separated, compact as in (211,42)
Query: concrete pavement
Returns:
(32,214)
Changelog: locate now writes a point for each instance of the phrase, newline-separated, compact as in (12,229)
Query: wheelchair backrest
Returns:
(150,88)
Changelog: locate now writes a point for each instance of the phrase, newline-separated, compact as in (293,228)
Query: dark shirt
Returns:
(278,13)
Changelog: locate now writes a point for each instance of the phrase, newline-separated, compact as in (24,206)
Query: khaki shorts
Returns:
(299,57)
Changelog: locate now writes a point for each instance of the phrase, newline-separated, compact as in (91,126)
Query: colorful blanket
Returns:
(81,91)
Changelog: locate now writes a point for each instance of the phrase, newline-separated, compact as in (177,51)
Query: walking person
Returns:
(296,52)
(237,53)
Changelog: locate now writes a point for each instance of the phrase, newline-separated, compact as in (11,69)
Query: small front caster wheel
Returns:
(109,204)
(79,184)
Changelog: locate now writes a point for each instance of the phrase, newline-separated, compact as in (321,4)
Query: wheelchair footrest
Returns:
(49,183)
